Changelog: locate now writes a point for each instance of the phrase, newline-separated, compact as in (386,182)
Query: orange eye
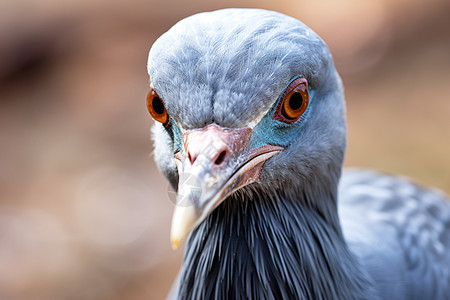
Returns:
(294,102)
(157,109)
(294,105)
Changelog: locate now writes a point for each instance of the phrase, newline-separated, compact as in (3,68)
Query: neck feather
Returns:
(270,248)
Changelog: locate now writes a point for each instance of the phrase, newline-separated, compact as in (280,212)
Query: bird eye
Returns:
(294,101)
(157,109)
(294,105)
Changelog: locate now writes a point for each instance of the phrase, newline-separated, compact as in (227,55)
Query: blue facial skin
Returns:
(274,132)
(268,130)
(176,136)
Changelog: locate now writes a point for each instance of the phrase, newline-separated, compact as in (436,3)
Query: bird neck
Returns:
(260,247)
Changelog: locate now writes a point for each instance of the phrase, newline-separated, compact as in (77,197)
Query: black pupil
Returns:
(158,106)
(296,101)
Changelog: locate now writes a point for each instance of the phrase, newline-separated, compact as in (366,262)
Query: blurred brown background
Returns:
(84,214)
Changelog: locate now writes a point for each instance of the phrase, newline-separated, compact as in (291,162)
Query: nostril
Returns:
(190,158)
(220,158)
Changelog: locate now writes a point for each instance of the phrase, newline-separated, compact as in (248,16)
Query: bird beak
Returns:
(214,163)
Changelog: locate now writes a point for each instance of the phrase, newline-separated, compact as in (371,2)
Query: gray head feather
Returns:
(229,66)
(207,71)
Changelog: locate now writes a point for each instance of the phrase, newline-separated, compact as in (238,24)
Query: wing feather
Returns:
(400,231)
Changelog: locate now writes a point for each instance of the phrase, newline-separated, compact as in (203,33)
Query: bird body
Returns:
(400,233)
(251,133)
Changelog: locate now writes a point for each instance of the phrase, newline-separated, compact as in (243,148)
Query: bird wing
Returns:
(400,232)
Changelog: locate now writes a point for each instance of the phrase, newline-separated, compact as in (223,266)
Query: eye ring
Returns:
(157,109)
(293,102)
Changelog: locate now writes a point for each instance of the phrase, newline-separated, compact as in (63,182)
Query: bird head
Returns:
(245,100)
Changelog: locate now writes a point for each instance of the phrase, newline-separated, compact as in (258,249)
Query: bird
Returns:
(250,130)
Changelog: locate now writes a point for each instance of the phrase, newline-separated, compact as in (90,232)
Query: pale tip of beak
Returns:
(175,244)
(183,221)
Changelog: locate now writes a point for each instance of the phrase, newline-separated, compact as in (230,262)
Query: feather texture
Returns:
(400,231)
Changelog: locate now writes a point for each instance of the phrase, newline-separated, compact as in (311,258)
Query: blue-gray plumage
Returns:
(263,210)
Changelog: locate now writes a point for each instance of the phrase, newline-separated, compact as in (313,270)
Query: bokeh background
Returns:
(84,213)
